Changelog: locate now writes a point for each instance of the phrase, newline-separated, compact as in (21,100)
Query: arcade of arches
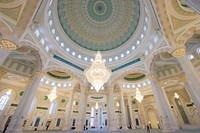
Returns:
(152,48)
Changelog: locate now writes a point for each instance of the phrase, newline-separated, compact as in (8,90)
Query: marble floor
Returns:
(118,131)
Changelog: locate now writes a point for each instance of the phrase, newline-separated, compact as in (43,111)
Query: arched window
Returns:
(37,122)
(92,117)
(52,107)
(32,105)
(198,50)
(190,56)
(3,101)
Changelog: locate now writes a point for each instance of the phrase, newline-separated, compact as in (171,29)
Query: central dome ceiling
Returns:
(99,24)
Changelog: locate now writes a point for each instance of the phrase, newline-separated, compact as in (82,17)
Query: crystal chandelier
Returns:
(139,96)
(52,96)
(98,73)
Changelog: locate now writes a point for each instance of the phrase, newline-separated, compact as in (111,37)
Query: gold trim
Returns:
(8,45)
(179,52)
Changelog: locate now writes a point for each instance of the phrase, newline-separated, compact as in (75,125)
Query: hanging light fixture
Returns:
(52,96)
(96,106)
(176,95)
(98,73)
(117,104)
(139,96)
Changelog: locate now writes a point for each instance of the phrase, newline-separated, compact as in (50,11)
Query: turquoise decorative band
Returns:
(68,63)
(127,64)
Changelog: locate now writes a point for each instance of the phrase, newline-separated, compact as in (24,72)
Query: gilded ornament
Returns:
(151,77)
(8,45)
(39,74)
(179,52)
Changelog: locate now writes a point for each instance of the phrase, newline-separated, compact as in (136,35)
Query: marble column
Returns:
(108,112)
(163,106)
(85,109)
(79,123)
(6,46)
(133,124)
(123,111)
(112,125)
(17,120)
(68,112)
(190,71)
(194,97)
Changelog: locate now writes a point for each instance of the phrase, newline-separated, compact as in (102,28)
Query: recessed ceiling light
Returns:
(73,53)
(133,47)
(127,52)
(57,38)
(42,41)
(67,49)
(53,31)
(138,42)
(62,44)
(85,58)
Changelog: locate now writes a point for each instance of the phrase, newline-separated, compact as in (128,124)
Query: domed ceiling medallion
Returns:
(135,77)
(58,75)
(99,24)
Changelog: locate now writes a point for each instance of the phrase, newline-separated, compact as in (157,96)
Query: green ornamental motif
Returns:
(135,78)
(21,93)
(99,24)
(63,100)
(45,97)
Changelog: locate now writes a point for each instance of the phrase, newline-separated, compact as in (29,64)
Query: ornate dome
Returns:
(99,24)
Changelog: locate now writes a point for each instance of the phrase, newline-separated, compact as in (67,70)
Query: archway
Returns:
(152,117)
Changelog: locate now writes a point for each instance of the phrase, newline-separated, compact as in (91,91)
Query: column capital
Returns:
(151,77)
(121,92)
(8,45)
(39,74)
(183,78)
(82,87)
(179,51)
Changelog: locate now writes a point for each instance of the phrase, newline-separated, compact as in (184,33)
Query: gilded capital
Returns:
(8,45)
(179,52)
(110,88)
(39,74)
(151,77)
(183,78)
(82,88)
